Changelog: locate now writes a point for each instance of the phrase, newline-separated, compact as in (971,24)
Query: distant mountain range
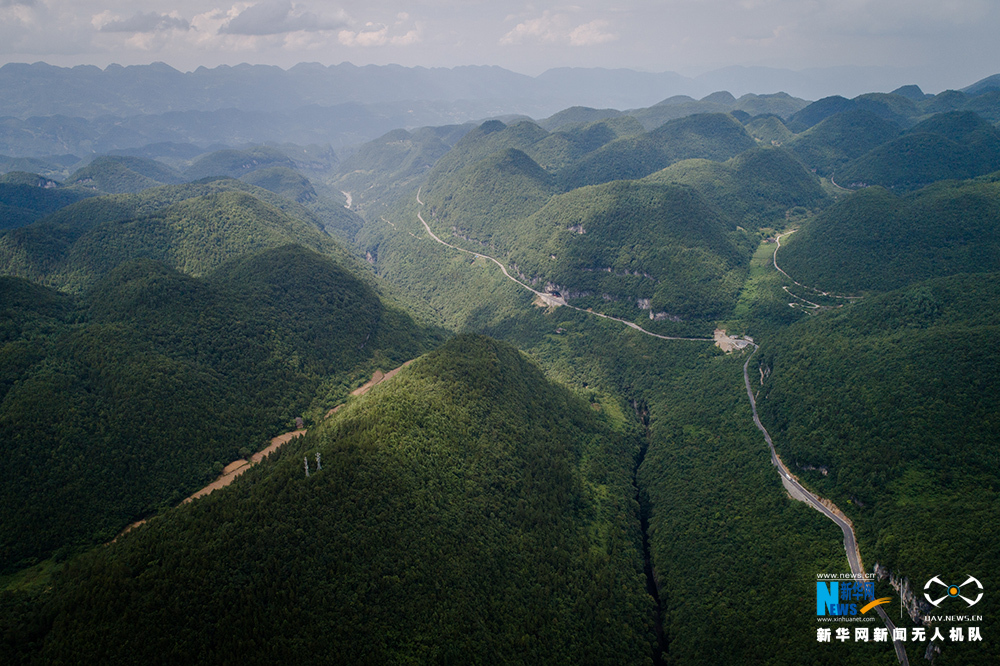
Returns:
(48,110)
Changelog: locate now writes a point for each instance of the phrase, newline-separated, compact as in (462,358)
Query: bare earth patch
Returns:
(234,469)
(728,343)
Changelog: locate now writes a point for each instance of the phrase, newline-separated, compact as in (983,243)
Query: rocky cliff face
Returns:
(913,601)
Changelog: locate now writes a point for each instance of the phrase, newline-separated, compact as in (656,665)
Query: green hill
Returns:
(305,202)
(756,188)
(392,167)
(819,111)
(26,197)
(955,145)
(118,174)
(53,166)
(894,399)
(986,105)
(842,137)
(487,195)
(193,228)
(877,241)
(769,130)
(237,163)
(570,143)
(708,136)
(910,162)
(681,106)
(477,144)
(619,244)
(897,109)
(780,104)
(284,181)
(577,115)
(139,394)
(467,510)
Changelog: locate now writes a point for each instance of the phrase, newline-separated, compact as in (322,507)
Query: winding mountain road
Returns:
(795,489)
(550,299)
(774,260)
(798,491)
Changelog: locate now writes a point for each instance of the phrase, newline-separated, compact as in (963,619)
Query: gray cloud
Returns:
(274,17)
(12,3)
(151,22)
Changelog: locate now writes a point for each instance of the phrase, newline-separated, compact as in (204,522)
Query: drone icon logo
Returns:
(953,591)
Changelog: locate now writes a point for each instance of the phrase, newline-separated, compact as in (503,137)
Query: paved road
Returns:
(850,542)
(550,299)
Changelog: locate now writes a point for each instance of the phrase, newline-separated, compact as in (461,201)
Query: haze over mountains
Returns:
(569,469)
(50,110)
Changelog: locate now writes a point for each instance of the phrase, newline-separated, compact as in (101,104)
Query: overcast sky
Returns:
(945,43)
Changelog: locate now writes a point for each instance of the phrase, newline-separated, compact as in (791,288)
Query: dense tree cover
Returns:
(138,395)
(237,163)
(26,197)
(284,181)
(122,174)
(479,143)
(954,145)
(30,309)
(193,228)
(760,565)
(680,106)
(894,108)
(756,188)
(631,241)
(896,398)
(577,116)
(608,246)
(468,511)
(571,142)
(53,166)
(713,136)
(390,168)
(876,241)
(484,197)
(905,106)
(911,162)
(769,130)
(734,560)
(840,138)
(322,210)
(730,548)
(630,249)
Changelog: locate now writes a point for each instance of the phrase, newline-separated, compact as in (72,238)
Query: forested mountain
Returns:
(896,406)
(26,197)
(954,145)
(237,163)
(757,188)
(138,392)
(875,240)
(124,175)
(193,228)
(708,136)
(608,500)
(467,510)
(840,138)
